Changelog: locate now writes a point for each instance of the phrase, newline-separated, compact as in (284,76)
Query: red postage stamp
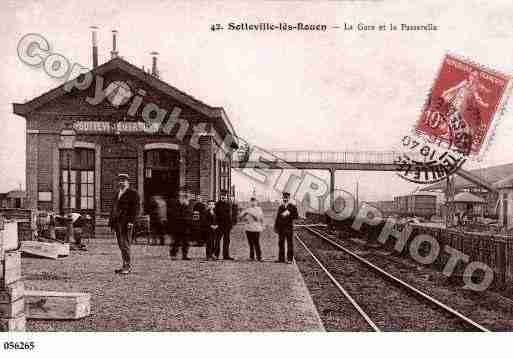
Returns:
(463,103)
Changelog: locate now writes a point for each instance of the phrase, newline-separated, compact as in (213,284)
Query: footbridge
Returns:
(320,160)
(340,160)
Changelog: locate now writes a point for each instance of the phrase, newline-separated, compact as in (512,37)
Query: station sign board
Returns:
(108,127)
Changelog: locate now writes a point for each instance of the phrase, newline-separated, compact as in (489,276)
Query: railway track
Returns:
(382,300)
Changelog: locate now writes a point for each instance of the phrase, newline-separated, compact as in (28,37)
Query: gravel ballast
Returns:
(389,306)
(486,308)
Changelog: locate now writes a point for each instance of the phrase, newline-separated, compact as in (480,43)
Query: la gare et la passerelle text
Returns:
(300,26)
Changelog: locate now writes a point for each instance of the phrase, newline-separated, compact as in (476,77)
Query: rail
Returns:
(400,282)
(337,284)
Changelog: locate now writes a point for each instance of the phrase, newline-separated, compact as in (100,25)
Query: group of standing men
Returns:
(176,219)
(210,224)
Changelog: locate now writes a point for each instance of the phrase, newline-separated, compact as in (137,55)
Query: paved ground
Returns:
(165,295)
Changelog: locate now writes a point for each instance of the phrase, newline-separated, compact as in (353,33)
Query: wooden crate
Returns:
(11,292)
(56,305)
(41,249)
(13,309)
(26,232)
(13,324)
(8,237)
(11,268)
(62,249)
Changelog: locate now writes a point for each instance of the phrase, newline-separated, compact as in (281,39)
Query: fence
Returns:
(496,251)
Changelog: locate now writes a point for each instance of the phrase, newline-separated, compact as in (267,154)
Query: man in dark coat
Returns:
(125,209)
(284,226)
(198,226)
(223,211)
(182,226)
(209,228)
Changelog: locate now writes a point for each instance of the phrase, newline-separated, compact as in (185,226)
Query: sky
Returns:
(333,90)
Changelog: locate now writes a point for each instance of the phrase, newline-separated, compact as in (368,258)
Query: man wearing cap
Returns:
(182,226)
(223,212)
(284,226)
(124,211)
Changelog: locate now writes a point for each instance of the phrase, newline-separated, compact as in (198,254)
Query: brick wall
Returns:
(31,170)
(206,167)
(54,116)
(44,164)
(192,172)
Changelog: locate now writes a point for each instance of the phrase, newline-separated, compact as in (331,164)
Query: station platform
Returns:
(174,295)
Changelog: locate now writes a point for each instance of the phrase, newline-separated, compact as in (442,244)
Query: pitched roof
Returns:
(467,197)
(490,174)
(505,183)
(16,194)
(215,113)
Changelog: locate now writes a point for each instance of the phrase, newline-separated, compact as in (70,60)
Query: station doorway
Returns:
(161,174)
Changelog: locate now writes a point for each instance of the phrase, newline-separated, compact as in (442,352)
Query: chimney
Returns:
(95,46)
(154,70)
(114,52)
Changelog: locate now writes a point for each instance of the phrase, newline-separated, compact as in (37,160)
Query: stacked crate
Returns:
(27,221)
(12,302)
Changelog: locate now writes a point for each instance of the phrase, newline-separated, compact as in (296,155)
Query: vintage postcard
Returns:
(177,176)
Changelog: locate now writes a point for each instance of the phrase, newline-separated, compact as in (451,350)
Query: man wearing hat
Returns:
(124,211)
(182,225)
(223,212)
(284,226)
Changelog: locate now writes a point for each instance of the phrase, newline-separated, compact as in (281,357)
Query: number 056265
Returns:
(19,345)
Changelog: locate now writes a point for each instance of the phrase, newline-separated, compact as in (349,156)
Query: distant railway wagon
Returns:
(416,205)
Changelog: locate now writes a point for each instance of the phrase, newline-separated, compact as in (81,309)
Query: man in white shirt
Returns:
(254,217)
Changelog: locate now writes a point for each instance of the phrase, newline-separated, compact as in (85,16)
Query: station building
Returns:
(77,142)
